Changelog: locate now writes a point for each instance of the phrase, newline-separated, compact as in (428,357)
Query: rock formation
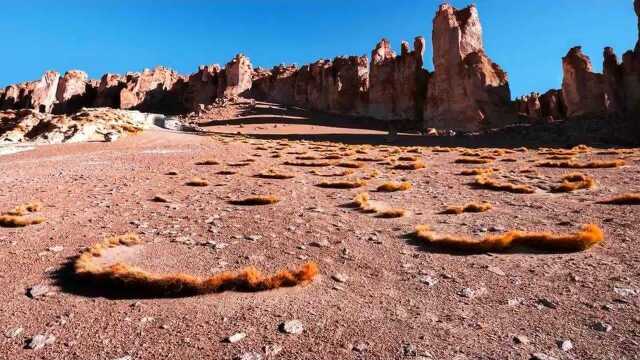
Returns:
(43,96)
(585,93)
(238,74)
(74,92)
(467,90)
(202,87)
(158,90)
(108,92)
(381,80)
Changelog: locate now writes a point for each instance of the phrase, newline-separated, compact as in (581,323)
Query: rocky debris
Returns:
(38,291)
(467,90)
(158,90)
(39,341)
(89,124)
(272,350)
(293,327)
(565,345)
(542,356)
(521,339)
(237,75)
(249,356)
(74,92)
(14,332)
(602,326)
(237,337)
(585,93)
(339,277)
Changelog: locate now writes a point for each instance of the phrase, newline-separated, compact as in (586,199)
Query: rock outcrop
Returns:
(108,92)
(157,90)
(238,74)
(547,106)
(43,96)
(74,92)
(202,87)
(585,93)
(27,125)
(467,90)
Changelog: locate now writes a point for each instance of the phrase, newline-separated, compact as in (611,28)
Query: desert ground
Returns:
(381,292)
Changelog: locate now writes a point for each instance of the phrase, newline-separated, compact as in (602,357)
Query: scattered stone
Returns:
(541,356)
(249,356)
(126,357)
(253,237)
(565,345)
(360,347)
(409,350)
(56,249)
(471,293)
(39,341)
(294,327)
(496,270)
(272,350)
(547,303)
(321,243)
(625,292)
(38,291)
(14,333)
(236,337)
(521,339)
(602,326)
(339,277)
(429,281)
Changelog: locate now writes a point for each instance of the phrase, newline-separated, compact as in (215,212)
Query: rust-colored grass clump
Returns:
(208,162)
(343,184)
(364,203)
(415,165)
(308,163)
(484,182)
(570,164)
(587,237)
(124,277)
(275,174)
(226,172)
(477,171)
(197,181)
(623,199)
(22,215)
(256,200)
(392,186)
(350,164)
(470,208)
(574,181)
(333,174)
(472,160)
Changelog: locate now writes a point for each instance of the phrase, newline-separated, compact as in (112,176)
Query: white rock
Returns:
(38,291)
(239,336)
(341,278)
(39,341)
(565,345)
(292,327)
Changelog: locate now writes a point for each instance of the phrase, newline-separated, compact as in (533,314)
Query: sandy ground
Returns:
(401,299)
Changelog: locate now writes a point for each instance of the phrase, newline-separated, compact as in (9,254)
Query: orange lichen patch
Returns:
(477,171)
(121,276)
(471,208)
(308,163)
(344,184)
(623,199)
(350,165)
(392,186)
(587,237)
(470,160)
(197,181)
(410,166)
(208,162)
(484,182)
(256,200)
(574,181)
(275,174)
(22,215)
(333,174)
(596,164)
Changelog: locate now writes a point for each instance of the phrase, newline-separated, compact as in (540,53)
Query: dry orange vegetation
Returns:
(197,181)
(21,215)
(596,164)
(623,199)
(573,182)
(122,276)
(477,171)
(470,160)
(208,162)
(419,164)
(343,184)
(256,200)
(472,208)
(275,174)
(392,186)
(484,182)
(589,236)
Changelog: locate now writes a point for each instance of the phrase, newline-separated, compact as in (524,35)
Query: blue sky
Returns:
(527,38)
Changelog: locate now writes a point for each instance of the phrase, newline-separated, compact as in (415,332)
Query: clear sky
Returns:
(527,38)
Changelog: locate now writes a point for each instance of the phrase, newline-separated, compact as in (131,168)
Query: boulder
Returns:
(238,74)
(467,90)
